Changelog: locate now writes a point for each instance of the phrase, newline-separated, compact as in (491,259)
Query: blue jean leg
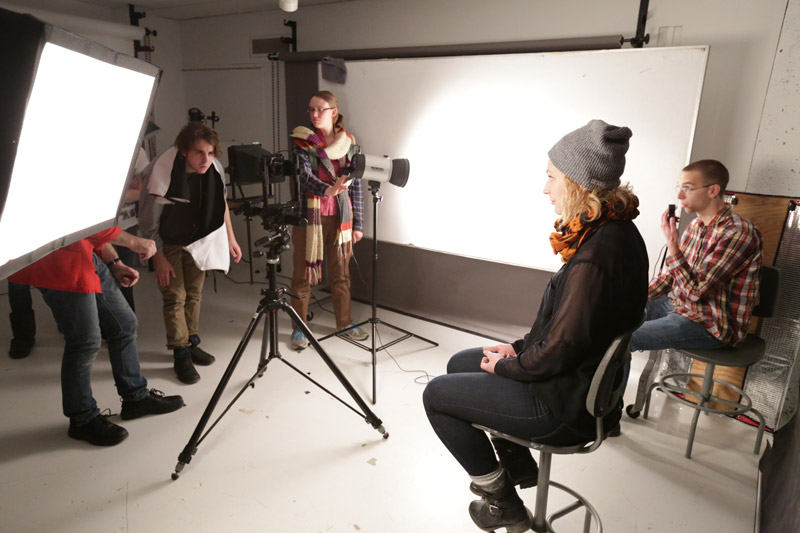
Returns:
(119,326)
(666,329)
(130,258)
(468,395)
(81,317)
(76,316)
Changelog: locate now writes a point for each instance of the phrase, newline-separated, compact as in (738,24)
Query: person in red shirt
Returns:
(78,284)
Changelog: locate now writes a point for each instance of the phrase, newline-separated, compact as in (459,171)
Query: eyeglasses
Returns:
(686,189)
(318,110)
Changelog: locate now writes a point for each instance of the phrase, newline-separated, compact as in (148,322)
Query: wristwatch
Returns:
(113,262)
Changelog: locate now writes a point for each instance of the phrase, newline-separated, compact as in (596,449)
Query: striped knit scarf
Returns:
(570,236)
(314,145)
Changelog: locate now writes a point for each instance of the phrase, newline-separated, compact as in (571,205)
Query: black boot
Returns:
(23,330)
(99,431)
(500,507)
(199,356)
(517,461)
(155,403)
(183,366)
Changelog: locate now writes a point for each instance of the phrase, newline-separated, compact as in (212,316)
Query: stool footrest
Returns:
(580,501)
(669,383)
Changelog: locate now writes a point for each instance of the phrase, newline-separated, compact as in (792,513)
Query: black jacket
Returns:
(598,294)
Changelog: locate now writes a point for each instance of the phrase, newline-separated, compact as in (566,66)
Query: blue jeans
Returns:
(131,259)
(467,395)
(665,329)
(83,318)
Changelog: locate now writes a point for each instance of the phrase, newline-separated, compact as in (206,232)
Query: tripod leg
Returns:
(374,363)
(369,416)
(191,447)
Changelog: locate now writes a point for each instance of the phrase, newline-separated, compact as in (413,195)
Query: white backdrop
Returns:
(477,130)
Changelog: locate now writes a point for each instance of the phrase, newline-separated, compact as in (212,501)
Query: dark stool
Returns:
(747,353)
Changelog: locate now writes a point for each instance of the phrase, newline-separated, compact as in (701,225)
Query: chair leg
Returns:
(647,398)
(542,490)
(705,395)
(646,380)
(760,430)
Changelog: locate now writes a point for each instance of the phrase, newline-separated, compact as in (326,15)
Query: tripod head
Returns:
(275,244)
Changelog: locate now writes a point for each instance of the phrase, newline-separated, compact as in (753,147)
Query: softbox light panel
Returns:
(74,113)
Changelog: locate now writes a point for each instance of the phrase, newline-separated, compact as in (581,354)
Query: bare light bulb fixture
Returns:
(288,5)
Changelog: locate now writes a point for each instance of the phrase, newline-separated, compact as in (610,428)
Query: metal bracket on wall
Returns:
(292,41)
(134,17)
(640,39)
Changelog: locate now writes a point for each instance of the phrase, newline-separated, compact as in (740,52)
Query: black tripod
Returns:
(374,188)
(273,301)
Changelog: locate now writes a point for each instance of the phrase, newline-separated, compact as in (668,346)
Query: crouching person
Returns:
(78,284)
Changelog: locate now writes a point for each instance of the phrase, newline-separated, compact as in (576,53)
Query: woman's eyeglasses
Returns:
(318,110)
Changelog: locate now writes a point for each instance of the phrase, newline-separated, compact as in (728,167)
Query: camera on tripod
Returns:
(251,164)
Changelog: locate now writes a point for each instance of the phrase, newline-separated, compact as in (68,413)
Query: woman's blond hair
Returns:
(577,199)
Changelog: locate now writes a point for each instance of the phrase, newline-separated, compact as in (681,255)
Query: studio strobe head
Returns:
(381,169)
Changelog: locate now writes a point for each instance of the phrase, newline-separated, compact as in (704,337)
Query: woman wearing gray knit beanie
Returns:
(536,387)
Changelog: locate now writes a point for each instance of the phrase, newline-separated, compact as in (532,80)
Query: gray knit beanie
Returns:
(592,156)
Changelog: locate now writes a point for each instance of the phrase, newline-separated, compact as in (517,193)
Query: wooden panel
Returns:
(733,375)
(768,213)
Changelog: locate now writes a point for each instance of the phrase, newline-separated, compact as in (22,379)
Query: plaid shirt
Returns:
(311,184)
(713,279)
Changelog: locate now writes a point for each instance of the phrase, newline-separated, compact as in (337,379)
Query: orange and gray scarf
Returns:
(570,236)
(316,148)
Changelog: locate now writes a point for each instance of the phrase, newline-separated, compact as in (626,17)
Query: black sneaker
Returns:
(155,403)
(184,368)
(99,431)
(200,356)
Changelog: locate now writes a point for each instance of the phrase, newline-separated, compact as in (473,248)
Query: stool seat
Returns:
(750,351)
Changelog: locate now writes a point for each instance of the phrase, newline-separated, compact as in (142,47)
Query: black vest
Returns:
(198,208)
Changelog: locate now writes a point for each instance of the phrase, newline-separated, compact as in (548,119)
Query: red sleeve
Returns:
(102,237)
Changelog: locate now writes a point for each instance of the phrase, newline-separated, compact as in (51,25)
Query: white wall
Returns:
(170,106)
(170,111)
(776,161)
(743,35)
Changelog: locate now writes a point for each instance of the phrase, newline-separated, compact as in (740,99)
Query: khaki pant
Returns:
(339,274)
(182,297)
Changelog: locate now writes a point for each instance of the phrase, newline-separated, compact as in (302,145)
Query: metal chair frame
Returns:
(601,399)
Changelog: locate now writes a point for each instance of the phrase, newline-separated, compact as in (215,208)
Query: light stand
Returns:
(374,187)
(273,301)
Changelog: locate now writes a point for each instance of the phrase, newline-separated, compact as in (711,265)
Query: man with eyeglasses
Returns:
(704,296)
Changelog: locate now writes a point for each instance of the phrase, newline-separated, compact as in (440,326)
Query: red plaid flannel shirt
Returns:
(713,279)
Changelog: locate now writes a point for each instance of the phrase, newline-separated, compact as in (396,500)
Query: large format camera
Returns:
(250,164)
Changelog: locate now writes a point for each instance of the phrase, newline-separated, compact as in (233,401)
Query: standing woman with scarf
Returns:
(536,387)
(333,205)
